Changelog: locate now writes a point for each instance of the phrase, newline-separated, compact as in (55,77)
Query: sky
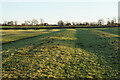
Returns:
(51,11)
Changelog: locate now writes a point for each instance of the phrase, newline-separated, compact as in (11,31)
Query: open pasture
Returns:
(63,53)
(14,35)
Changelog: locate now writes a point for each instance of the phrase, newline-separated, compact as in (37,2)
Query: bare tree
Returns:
(73,23)
(108,21)
(67,23)
(61,23)
(15,22)
(114,19)
(101,21)
(87,23)
(34,22)
(112,22)
(118,20)
(93,23)
(5,23)
(27,22)
(10,23)
(77,23)
(41,21)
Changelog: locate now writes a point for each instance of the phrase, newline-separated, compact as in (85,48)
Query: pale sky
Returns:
(54,10)
(59,0)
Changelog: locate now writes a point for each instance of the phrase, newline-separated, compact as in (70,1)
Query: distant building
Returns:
(46,24)
(10,23)
(119,12)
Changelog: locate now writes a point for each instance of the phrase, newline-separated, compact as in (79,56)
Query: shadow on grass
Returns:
(57,54)
(104,47)
(113,30)
(26,41)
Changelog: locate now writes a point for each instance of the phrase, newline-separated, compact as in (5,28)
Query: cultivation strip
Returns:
(104,47)
(64,54)
(23,39)
(111,30)
(56,56)
(103,33)
(28,43)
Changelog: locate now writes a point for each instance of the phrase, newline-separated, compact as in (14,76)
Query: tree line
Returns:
(61,23)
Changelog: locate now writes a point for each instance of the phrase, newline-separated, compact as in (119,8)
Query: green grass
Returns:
(67,53)
(110,30)
(105,46)
(13,35)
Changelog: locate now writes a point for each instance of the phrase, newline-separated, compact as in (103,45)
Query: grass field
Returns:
(14,35)
(63,53)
